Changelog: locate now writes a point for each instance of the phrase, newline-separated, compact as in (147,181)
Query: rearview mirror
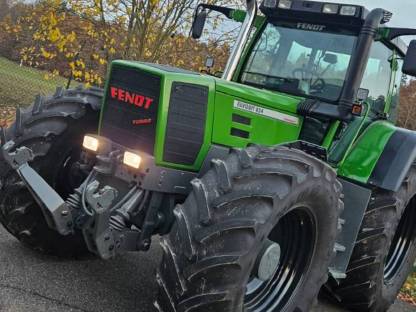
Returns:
(199,24)
(331,58)
(409,66)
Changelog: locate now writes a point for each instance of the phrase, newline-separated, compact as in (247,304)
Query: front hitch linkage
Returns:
(57,213)
(104,230)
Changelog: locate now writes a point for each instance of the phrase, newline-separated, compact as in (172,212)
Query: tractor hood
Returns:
(275,100)
(244,115)
(177,115)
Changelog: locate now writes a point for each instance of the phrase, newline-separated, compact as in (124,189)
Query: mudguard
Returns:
(381,157)
(395,161)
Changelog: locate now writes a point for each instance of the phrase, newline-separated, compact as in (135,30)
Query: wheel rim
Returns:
(399,250)
(295,235)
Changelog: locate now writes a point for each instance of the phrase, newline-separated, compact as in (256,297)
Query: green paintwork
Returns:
(366,151)
(281,101)
(329,138)
(263,130)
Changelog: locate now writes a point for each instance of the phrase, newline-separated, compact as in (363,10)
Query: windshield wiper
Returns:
(285,79)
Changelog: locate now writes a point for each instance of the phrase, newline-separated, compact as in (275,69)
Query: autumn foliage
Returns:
(407,111)
(79,38)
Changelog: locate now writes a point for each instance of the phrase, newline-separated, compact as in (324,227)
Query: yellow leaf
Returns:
(54,35)
(45,53)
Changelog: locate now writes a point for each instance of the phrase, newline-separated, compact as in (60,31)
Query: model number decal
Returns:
(266,112)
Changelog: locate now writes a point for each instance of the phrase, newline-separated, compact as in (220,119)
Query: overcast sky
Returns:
(404,11)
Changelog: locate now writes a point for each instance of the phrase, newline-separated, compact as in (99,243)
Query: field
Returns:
(19,85)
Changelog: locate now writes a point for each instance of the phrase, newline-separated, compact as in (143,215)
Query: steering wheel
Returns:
(317,86)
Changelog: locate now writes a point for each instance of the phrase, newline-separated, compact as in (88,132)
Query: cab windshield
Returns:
(300,62)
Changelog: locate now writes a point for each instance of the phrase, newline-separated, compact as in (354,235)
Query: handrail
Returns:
(242,39)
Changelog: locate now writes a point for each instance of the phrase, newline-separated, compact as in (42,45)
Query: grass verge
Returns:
(20,84)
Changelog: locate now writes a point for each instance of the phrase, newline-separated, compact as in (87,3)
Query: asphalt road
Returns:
(30,282)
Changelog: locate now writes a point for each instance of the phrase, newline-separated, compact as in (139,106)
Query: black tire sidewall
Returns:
(72,111)
(221,227)
(315,199)
(389,291)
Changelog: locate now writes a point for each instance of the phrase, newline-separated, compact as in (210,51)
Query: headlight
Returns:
(91,143)
(330,8)
(348,10)
(285,4)
(132,160)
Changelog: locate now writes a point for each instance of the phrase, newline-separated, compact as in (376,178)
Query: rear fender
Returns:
(381,157)
(395,161)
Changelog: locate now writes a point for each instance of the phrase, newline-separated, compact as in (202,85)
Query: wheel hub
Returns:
(269,260)
(282,262)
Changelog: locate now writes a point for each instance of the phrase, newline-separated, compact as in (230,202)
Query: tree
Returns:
(407,112)
(4,9)
(80,37)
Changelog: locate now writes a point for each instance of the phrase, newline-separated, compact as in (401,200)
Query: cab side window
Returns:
(377,77)
(398,81)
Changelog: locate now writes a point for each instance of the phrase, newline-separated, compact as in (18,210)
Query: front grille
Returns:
(186,123)
(130,111)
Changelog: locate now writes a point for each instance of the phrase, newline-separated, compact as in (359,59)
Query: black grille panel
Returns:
(128,119)
(186,123)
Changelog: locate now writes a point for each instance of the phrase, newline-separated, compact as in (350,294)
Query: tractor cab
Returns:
(340,60)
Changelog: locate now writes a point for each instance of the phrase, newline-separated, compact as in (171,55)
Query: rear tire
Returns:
(258,195)
(53,128)
(385,251)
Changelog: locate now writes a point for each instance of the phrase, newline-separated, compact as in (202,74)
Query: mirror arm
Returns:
(399,32)
(224,10)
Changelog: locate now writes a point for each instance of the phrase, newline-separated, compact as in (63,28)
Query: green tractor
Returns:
(282,176)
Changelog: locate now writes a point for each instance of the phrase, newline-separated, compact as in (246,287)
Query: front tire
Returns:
(53,128)
(257,198)
(384,252)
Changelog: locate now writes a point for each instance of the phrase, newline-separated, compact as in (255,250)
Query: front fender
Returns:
(381,157)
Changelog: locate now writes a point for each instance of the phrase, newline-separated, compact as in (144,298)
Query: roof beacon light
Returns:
(330,8)
(270,4)
(348,10)
(285,4)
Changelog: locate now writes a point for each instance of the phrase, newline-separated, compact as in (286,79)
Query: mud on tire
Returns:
(53,127)
(257,195)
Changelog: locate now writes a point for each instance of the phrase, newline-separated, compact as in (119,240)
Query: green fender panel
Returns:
(366,151)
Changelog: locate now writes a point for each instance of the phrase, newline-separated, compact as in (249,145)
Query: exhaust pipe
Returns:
(242,39)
